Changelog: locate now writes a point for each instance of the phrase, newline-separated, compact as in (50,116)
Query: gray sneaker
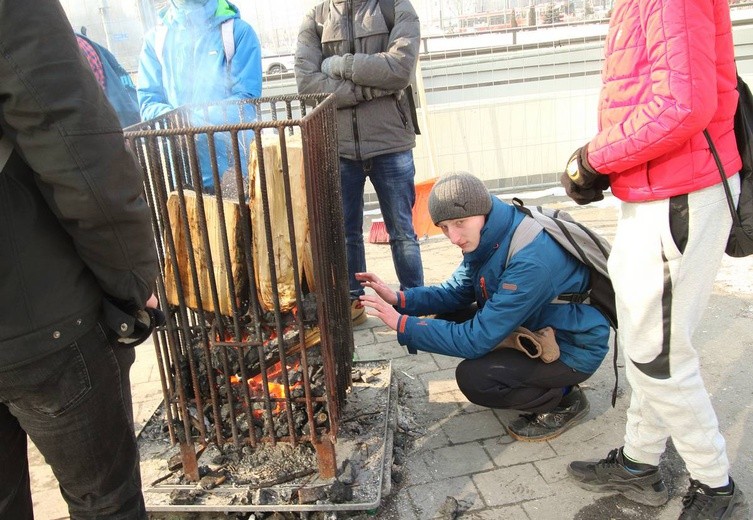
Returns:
(537,427)
(610,475)
(700,504)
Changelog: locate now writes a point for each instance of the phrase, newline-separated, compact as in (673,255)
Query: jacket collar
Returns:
(499,223)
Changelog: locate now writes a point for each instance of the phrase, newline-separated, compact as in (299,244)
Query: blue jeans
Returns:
(392,177)
(75,405)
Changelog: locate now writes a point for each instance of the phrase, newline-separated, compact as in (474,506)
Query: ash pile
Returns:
(281,480)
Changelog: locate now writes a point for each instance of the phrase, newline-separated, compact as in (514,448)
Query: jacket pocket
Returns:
(401,111)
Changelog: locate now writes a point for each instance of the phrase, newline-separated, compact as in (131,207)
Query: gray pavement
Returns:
(453,448)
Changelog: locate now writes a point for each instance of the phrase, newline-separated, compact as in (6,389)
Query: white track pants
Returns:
(663,264)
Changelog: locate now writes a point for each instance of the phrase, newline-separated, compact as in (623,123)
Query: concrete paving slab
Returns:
(486,425)
(447,462)
(505,454)
(428,499)
(497,513)
(513,485)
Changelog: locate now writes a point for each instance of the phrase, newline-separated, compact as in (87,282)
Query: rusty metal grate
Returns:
(249,230)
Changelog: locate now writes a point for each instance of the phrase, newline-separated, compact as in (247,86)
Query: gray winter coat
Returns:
(382,59)
(74,225)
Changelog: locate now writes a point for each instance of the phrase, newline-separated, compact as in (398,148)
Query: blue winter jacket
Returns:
(192,70)
(508,297)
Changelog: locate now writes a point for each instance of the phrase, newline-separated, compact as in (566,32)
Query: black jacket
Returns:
(74,225)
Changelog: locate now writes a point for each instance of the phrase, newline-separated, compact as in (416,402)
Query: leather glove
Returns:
(582,183)
(131,325)
(369,93)
(585,195)
(338,67)
(540,344)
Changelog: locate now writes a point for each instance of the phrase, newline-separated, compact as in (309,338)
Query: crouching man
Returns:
(521,350)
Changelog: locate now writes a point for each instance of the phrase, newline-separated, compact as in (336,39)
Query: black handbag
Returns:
(740,242)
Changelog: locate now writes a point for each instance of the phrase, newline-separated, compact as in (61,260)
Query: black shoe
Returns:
(610,474)
(536,427)
(700,503)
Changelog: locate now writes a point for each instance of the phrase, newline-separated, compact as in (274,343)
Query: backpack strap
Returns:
(228,44)
(527,230)
(388,12)
(321,13)
(160,33)
(228,41)
(6,148)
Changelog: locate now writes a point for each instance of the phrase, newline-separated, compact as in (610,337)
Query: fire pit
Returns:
(248,223)
(281,477)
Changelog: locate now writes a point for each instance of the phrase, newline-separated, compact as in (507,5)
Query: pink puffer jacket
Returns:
(669,73)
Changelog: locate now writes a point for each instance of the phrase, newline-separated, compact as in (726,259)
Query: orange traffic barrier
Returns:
(422,224)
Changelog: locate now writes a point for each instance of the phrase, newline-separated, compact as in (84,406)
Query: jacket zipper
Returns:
(482,283)
(354,116)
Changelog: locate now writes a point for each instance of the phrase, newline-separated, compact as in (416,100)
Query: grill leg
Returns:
(325,455)
(190,464)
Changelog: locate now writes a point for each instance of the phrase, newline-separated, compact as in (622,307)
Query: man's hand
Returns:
(376,306)
(372,281)
(338,67)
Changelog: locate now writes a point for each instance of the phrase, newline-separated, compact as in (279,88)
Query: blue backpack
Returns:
(119,87)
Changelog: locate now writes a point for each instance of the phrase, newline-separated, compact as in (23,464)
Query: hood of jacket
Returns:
(213,13)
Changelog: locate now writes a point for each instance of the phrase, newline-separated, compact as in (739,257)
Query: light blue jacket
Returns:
(519,294)
(192,70)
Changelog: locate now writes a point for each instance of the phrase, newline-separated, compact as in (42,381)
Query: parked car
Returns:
(277,64)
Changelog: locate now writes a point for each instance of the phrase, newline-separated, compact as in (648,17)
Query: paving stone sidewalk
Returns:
(456,449)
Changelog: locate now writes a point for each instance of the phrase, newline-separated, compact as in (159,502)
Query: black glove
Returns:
(582,183)
(585,195)
(132,325)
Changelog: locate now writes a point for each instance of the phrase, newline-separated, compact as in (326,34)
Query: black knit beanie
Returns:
(458,195)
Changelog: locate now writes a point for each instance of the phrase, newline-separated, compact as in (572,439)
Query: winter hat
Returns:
(458,195)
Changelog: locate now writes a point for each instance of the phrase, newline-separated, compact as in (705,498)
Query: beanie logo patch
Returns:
(463,205)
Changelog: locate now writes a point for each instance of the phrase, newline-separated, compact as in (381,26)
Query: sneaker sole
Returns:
(641,497)
(541,438)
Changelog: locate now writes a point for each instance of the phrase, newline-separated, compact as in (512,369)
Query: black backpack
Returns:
(740,242)
(119,88)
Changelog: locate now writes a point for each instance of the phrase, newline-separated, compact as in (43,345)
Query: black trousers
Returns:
(509,379)
(75,404)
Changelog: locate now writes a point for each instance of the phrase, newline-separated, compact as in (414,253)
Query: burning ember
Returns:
(276,391)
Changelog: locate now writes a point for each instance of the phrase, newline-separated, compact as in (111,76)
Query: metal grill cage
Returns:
(247,219)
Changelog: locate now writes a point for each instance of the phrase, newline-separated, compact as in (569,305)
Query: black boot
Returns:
(535,427)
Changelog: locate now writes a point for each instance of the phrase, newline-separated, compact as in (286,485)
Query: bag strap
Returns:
(160,33)
(523,235)
(725,183)
(6,148)
(228,45)
(388,12)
